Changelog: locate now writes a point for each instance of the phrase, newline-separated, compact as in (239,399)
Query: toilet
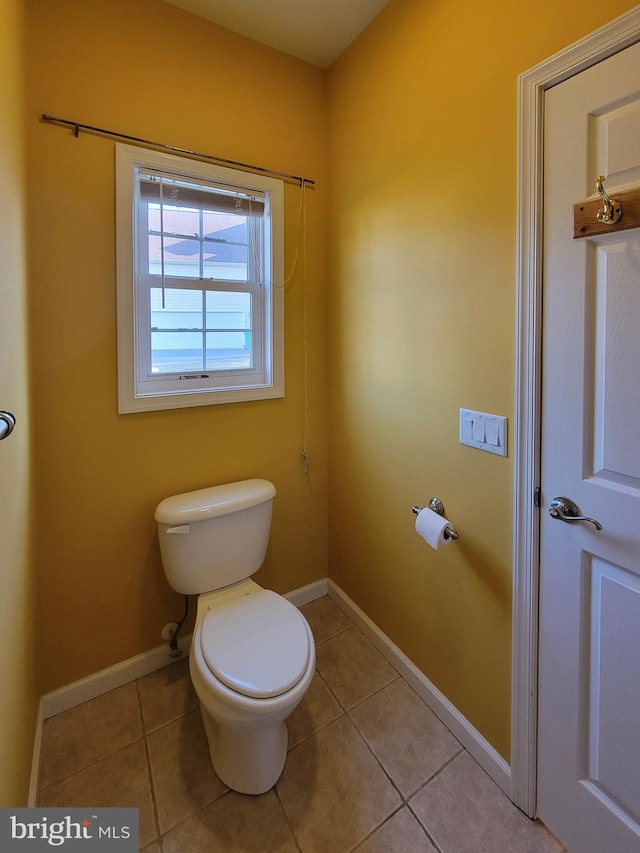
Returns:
(252,655)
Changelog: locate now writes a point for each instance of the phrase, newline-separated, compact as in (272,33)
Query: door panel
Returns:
(614,676)
(615,418)
(589,647)
(616,126)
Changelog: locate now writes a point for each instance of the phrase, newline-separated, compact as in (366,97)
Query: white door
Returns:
(589,676)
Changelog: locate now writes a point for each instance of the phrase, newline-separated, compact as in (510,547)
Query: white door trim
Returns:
(610,39)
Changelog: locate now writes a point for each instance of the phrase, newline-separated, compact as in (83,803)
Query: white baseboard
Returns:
(122,673)
(108,679)
(475,744)
(308,593)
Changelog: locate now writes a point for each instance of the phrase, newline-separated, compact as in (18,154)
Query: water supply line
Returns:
(174,650)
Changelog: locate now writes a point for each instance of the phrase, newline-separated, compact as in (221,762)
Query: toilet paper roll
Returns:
(431,527)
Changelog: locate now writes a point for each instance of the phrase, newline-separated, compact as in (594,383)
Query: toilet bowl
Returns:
(252,654)
(252,659)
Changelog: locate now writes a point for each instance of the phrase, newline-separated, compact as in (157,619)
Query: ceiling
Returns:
(317,31)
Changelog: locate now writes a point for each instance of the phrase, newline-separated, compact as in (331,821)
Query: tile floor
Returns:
(370,768)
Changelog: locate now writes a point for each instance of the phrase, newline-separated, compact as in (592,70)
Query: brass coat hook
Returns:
(611,209)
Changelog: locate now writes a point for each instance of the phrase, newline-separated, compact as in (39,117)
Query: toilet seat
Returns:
(256,644)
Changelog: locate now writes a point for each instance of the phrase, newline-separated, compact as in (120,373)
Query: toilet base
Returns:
(247,759)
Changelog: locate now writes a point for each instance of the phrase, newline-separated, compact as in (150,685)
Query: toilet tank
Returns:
(214,537)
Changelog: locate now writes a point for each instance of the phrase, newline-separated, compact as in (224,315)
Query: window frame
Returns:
(139,389)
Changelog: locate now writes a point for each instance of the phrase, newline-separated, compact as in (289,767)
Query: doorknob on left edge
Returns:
(565,509)
(7,423)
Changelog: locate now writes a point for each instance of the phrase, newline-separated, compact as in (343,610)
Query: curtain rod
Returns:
(77,127)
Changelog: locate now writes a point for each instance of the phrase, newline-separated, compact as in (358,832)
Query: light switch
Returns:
(493,434)
(478,430)
(466,428)
(483,431)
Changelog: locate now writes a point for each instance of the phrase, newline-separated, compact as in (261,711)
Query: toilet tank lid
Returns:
(214,501)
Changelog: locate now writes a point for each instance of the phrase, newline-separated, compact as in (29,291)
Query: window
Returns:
(200,305)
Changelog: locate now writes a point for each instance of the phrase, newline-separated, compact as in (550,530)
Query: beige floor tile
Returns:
(121,779)
(183,779)
(333,790)
(402,833)
(317,709)
(234,824)
(407,737)
(166,695)
(465,812)
(352,667)
(325,618)
(84,734)
(333,796)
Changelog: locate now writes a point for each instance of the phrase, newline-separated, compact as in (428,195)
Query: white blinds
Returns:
(159,188)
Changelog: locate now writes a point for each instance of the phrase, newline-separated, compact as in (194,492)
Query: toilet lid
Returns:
(257,645)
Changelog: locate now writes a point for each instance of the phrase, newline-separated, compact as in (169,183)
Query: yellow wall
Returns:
(423,176)
(151,70)
(18,693)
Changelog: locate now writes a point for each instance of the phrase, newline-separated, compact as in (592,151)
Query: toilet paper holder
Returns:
(436,505)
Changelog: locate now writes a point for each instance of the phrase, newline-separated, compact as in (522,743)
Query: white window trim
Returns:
(130,397)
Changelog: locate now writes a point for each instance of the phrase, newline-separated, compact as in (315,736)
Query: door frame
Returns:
(532,85)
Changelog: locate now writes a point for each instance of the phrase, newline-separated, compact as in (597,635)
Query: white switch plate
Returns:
(483,431)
